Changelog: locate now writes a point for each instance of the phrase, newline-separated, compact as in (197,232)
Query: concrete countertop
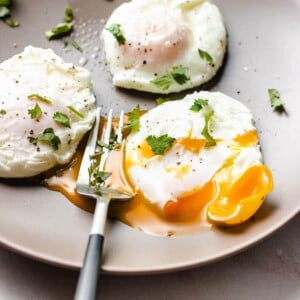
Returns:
(269,270)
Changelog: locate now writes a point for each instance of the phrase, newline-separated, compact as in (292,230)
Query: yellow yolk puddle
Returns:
(220,200)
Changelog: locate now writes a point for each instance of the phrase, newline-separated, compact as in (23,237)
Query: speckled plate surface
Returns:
(263,53)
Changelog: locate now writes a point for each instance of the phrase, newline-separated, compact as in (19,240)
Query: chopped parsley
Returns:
(180,74)
(198,104)
(115,30)
(76,112)
(160,144)
(163,82)
(275,100)
(4,11)
(59,30)
(36,112)
(69,16)
(2,112)
(113,143)
(62,119)
(5,14)
(205,55)
(47,136)
(97,177)
(161,100)
(75,44)
(39,97)
(4,2)
(205,131)
(133,124)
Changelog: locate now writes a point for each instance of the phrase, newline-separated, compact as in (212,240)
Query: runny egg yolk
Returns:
(154,38)
(245,193)
(221,200)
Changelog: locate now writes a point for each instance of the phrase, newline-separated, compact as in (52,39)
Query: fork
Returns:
(88,278)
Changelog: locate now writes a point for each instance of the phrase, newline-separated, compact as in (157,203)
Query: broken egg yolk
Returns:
(237,201)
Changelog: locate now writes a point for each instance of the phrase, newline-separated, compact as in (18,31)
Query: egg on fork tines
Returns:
(164,46)
(198,157)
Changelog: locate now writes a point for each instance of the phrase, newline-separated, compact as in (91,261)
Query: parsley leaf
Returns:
(198,104)
(75,44)
(76,112)
(62,119)
(59,30)
(160,144)
(180,74)
(275,100)
(205,131)
(163,82)
(134,120)
(113,142)
(205,55)
(11,22)
(4,11)
(96,176)
(36,112)
(4,2)
(2,112)
(48,136)
(5,14)
(161,100)
(38,97)
(115,30)
(69,16)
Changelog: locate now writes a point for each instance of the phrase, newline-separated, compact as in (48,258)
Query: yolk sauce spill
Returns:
(183,216)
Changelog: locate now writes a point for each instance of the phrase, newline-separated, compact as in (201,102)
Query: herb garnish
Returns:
(163,82)
(161,100)
(39,97)
(115,30)
(62,119)
(75,44)
(2,112)
(59,30)
(97,178)
(5,14)
(180,74)
(275,100)
(4,2)
(76,112)
(205,131)
(205,55)
(113,142)
(47,136)
(4,11)
(69,16)
(160,144)
(198,104)
(36,112)
(133,124)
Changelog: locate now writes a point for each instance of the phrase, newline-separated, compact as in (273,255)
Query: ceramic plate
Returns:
(263,53)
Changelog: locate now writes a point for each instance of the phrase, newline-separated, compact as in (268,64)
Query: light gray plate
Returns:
(263,53)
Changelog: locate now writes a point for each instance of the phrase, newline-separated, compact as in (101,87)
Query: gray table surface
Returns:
(269,270)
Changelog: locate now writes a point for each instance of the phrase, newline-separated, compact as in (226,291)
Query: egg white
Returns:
(40,71)
(179,172)
(161,35)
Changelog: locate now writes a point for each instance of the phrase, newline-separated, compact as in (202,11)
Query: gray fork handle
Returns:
(88,278)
